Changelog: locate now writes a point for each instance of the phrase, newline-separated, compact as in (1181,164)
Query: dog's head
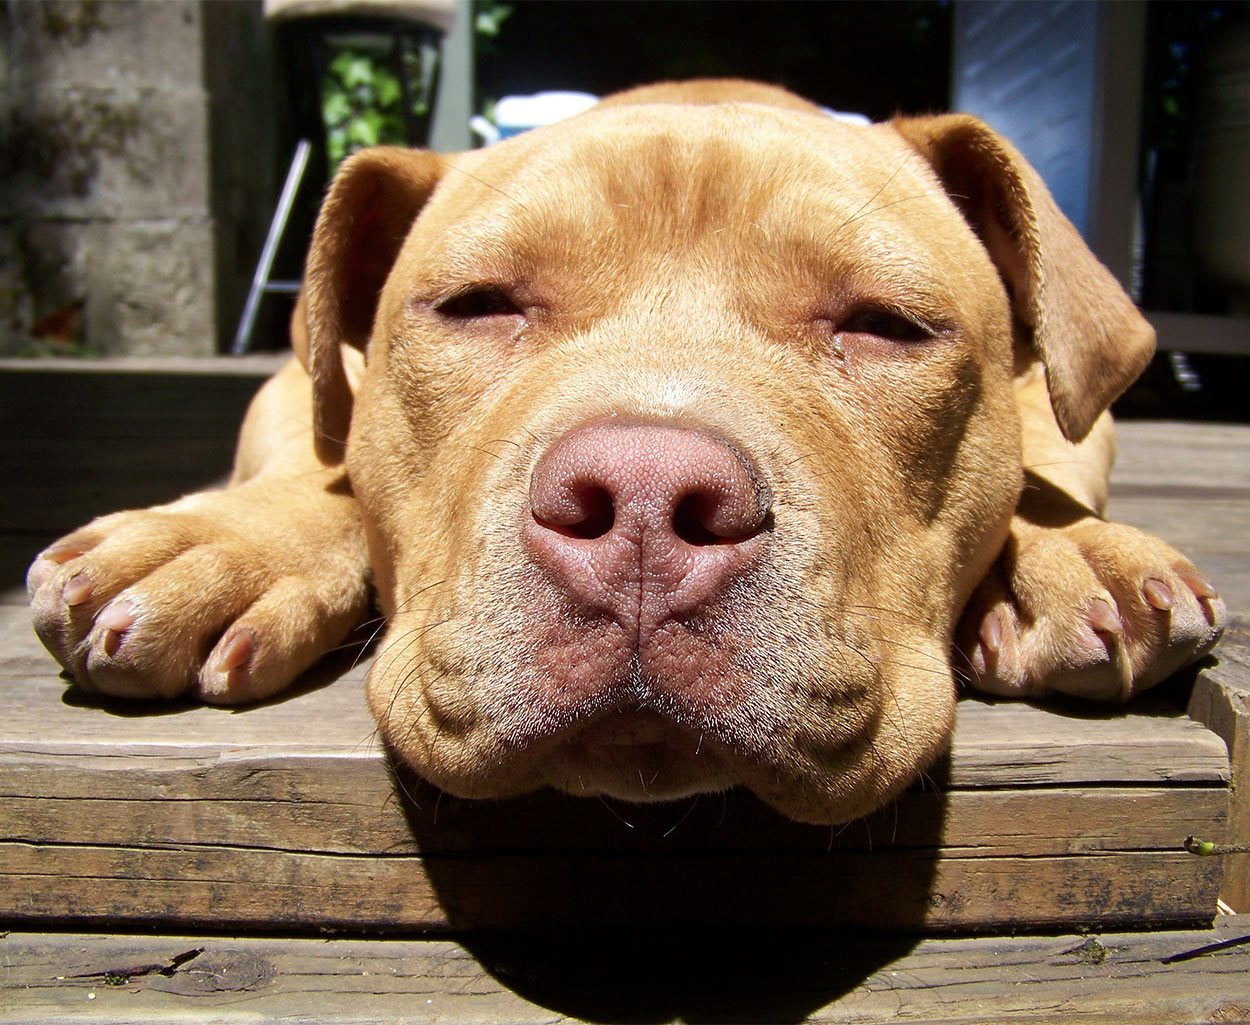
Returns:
(686,431)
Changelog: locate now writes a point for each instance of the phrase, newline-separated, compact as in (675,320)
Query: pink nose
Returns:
(645,521)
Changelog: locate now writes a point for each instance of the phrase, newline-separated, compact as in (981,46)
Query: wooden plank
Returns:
(256,365)
(1196,332)
(1212,534)
(996,743)
(115,423)
(201,815)
(1173,453)
(1190,484)
(80,438)
(229,887)
(1221,701)
(1119,978)
(300,805)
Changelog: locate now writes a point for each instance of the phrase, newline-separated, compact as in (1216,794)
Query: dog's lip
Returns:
(639,756)
(630,729)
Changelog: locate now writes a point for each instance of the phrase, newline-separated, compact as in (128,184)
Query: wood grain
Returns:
(1120,978)
(288,816)
(1221,701)
(929,890)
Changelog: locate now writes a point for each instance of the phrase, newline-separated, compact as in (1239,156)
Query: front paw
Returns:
(1095,610)
(211,595)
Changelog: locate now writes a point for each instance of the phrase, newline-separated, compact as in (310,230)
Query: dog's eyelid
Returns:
(891,323)
(477,301)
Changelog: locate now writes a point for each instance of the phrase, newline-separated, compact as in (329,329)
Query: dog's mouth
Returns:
(638,756)
(628,730)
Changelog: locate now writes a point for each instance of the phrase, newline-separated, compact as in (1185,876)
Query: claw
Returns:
(1104,618)
(994,656)
(1200,585)
(1158,594)
(992,631)
(77,590)
(62,553)
(226,679)
(115,620)
(235,652)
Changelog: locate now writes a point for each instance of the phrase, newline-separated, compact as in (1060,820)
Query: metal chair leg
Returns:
(261,285)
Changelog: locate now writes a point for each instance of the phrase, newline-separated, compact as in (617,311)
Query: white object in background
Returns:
(847,116)
(517,114)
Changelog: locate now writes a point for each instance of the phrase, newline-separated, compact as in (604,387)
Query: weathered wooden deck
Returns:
(139,846)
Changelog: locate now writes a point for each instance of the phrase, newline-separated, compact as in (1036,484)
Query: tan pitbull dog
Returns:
(675,440)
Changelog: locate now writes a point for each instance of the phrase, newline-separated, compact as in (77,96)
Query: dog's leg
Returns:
(229,594)
(1075,604)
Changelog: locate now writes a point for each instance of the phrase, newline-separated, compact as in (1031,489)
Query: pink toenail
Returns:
(1104,618)
(1200,585)
(115,620)
(1158,594)
(992,631)
(236,651)
(76,590)
(118,616)
(61,554)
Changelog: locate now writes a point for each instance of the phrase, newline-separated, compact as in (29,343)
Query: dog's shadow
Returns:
(686,975)
(712,909)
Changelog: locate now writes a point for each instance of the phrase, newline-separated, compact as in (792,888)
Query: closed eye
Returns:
(479,301)
(888,324)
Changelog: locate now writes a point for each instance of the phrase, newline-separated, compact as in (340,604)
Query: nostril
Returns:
(598,514)
(591,515)
(708,519)
(690,521)
(650,485)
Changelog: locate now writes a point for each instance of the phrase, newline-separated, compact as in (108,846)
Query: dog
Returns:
(701,440)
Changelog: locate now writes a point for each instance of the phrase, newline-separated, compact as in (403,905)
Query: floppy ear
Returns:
(1086,331)
(364,220)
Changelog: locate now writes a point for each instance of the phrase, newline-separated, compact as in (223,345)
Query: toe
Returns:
(122,658)
(279,636)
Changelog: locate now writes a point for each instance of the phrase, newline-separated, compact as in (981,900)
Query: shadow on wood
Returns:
(687,975)
(634,904)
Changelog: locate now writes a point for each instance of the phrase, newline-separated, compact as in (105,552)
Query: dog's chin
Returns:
(637,757)
(641,775)
(642,758)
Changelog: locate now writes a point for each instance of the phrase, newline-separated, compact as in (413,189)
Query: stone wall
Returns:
(137,172)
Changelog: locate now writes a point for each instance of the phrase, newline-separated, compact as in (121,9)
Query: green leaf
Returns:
(366,130)
(341,64)
(335,108)
(359,72)
(387,89)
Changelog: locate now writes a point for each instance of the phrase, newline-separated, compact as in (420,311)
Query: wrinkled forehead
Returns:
(665,176)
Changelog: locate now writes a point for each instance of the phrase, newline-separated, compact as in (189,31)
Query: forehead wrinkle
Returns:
(709,172)
(825,199)
(649,180)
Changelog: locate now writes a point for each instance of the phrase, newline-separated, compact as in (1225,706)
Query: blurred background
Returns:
(146,145)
